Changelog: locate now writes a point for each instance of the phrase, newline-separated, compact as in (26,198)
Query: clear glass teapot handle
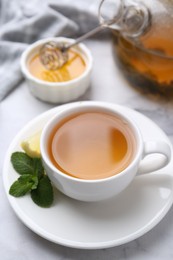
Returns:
(131,18)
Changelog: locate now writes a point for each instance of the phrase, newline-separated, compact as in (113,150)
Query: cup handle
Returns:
(159,147)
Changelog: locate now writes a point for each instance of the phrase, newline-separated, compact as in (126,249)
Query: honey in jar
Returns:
(73,68)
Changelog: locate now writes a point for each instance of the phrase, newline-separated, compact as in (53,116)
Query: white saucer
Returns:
(100,224)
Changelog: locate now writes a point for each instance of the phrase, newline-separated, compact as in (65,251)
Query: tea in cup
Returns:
(91,151)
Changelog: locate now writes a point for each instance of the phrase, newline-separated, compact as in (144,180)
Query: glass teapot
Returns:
(142,41)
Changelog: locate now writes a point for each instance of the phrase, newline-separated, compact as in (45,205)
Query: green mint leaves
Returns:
(22,163)
(43,195)
(23,185)
(32,179)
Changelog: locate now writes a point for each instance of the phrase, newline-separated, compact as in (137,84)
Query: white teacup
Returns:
(100,189)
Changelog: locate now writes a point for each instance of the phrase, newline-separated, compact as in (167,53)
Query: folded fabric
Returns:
(23,23)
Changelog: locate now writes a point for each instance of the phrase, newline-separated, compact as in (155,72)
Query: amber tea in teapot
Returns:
(148,72)
(143,42)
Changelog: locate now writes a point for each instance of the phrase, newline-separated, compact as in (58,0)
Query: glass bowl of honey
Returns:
(62,84)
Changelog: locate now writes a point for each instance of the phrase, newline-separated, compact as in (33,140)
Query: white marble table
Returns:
(17,242)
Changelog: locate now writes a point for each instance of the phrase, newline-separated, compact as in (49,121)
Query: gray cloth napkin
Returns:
(23,23)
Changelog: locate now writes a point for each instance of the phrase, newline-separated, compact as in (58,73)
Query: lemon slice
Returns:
(31,145)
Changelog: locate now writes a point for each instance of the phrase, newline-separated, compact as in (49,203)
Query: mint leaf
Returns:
(43,195)
(38,167)
(22,163)
(24,184)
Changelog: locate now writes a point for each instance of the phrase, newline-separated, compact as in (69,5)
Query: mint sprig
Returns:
(32,179)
